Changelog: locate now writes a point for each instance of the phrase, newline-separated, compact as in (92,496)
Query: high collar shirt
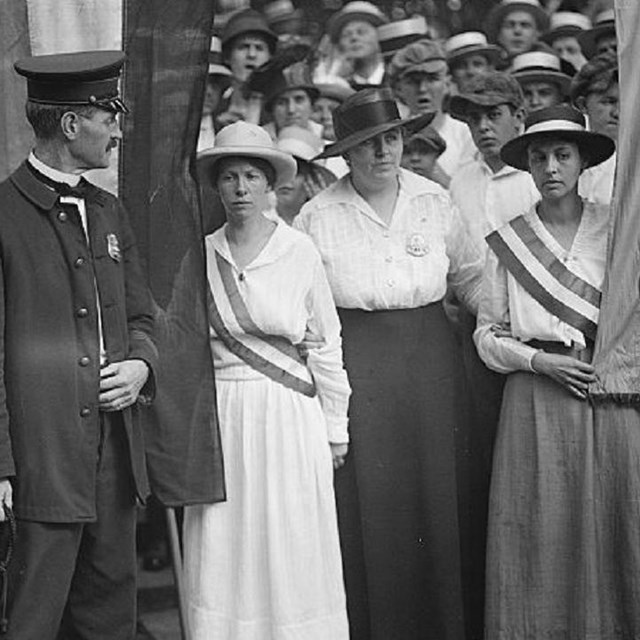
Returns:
(506,304)
(596,183)
(375,77)
(460,146)
(488,200)
(404,264)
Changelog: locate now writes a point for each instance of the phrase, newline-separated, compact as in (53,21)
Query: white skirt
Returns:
(265,564)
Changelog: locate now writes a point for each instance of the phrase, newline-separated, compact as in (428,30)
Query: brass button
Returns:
(84,361)
(62,216)
(85,411)
(82,312)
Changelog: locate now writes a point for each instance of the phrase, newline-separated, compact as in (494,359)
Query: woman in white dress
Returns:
(265,564)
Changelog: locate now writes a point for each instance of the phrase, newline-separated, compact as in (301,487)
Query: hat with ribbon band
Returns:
(469,43)
(603,25)
(559,122)
(540,66)
(245,140)
(564,24)
(366,114)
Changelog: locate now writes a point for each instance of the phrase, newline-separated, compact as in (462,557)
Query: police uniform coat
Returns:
(49,347)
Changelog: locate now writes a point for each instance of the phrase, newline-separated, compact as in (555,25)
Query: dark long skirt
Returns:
(397,500)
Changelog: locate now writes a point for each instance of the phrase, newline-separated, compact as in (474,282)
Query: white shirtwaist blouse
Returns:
(504,301)
(401,265)
(596,183)
(488,200)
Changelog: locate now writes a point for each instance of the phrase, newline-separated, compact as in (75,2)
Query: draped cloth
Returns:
(617,354)
(167,46)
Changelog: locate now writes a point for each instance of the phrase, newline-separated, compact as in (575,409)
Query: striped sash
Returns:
(273,356)
(545,278)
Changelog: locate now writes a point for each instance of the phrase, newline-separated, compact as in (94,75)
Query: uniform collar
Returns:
(53,174)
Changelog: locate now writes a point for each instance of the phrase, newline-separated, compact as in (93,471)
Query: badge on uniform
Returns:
(416,245)
(113,247)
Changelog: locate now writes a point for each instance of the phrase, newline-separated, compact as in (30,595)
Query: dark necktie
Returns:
(62,188)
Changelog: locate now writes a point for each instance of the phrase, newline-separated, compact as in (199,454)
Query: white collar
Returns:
(57,176)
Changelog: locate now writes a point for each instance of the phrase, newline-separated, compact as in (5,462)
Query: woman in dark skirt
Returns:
(391,241)
(537,322)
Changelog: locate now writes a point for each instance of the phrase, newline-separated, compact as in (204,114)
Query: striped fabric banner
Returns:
(273,356)
(545,278)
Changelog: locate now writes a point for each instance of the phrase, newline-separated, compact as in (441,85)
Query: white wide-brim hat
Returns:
(245,140)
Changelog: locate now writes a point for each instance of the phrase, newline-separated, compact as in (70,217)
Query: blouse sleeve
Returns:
(465,271)
(502,354)
(325,362)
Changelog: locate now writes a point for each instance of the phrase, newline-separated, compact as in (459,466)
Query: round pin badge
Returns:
(416,245)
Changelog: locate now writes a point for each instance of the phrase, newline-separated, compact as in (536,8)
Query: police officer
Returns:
(76,354)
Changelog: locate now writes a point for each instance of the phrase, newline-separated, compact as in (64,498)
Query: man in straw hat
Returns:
(595,91)
(420,79)
(516,25)
(78,354)
(470,55)
(602,37)
(562,36)
(541,76)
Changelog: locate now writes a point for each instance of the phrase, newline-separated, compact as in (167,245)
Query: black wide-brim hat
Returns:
(563,122)
(366,114)
(588,39)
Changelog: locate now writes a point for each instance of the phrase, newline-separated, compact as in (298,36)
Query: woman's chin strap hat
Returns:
(366,114)
(560,122)
(245,140)
(85,78)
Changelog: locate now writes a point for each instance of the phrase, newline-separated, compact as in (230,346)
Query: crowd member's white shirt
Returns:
(460,146)
(505,302)
(488,200)
(596,183)
(401,265)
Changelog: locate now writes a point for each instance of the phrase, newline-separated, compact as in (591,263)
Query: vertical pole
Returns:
(176,558)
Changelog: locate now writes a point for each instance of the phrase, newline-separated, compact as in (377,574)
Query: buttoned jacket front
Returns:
(49,418)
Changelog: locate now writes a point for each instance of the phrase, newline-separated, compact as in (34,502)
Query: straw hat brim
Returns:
(492,52)
(497,14)
(353,140)
(587,39)
(564,31)
(598,147)
(540,75)
(338,20)
(283,163)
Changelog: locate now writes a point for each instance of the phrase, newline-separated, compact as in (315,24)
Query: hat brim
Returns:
(587,39)
(353,140)
(459,104)
(538,75)
(219,70)
(497,14)
(565,31)
(283,163)
(338,20)
(597,146)
(492,52)
(311,90)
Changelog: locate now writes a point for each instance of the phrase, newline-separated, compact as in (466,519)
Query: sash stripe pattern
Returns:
(544,277)
(273,356)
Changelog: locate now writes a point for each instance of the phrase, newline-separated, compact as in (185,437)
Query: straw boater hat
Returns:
(334,87)
(563,122)
(356,10)
(366,114)
(244,23)
(395,35)
(471,43)
(603,25)
(540,66)
(247,141)
(299,142)
(498,13)
(280,11)
(565,23)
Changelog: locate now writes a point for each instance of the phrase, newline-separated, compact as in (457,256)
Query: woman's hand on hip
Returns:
(572,374)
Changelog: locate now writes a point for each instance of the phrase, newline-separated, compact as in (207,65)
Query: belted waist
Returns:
(584,354)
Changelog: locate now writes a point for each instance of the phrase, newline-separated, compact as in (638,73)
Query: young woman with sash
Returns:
(537,322)
(266,563)
(391,241)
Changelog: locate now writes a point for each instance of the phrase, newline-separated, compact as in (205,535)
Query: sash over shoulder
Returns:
(545,278)
(273,356)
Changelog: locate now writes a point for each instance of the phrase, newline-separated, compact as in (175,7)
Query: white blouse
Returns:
(596,183)
(505,303)
(401,265)
(286,291)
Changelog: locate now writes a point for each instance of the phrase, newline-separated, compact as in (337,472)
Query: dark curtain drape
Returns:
(167,46)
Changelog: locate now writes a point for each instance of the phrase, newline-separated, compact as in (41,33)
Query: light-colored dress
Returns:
(544,548)
(265,564)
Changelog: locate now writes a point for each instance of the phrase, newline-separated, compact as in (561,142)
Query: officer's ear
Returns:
(70,125)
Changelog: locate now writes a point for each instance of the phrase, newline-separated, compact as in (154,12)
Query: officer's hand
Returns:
(120,384)
(6,496)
